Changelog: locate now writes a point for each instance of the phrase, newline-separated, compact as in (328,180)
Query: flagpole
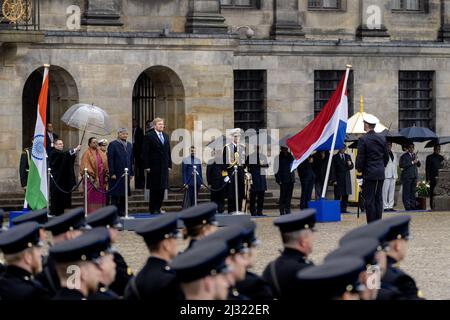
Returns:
(333,144)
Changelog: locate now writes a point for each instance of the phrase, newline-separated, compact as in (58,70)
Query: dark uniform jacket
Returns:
(399,285)
(259,182)
(255,287)
(281,274)
(319,166)
(69,294)
(103,293)
(187,170)
(156,281)
(284,174)
(432,166)
(17,284)
(409,170)
(123,275)
(214,174)
(235,295)
(24,166)
(49,277)
(372,156)
(305,171)
(156,157)
(340,173)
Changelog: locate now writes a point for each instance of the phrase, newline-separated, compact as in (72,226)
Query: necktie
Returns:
(161,137)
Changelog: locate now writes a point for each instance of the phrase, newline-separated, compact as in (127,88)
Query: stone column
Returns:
(372,26)
(444,32)
(286,22)
(102,13)
(204,16)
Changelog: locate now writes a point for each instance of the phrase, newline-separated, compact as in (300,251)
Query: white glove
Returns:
(227,179)
(360,182)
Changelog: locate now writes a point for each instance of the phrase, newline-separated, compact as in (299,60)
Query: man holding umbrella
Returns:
(409,165)
(372,158)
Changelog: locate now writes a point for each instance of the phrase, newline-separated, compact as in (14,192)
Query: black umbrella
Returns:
(391,136)
(396,137)
(418,134)
(350,137)
(353,145)
(440,141)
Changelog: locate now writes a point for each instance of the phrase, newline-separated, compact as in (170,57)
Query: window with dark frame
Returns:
(324,4)
(239,3)
(409,5)
(415,99)
(325,83)
(249,99)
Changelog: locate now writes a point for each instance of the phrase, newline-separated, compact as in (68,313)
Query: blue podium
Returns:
(327,210)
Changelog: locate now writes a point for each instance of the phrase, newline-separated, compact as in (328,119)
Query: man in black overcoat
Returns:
(157,158)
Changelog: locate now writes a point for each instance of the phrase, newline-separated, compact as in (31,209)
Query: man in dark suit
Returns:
(432,165)
(341,166)
(256,162)
(216,181)
(409,164)
(50,139)
(306,175)
(62,168)
(372,158)
(137,138)
(156,157)
(120,156)
(285,179)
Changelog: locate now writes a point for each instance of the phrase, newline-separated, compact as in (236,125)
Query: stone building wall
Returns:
(197,68)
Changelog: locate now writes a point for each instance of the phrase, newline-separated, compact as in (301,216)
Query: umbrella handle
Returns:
(82,137)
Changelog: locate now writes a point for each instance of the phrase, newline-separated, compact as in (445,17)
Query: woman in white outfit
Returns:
(390,173)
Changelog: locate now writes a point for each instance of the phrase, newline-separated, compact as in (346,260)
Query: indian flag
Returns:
(36,194)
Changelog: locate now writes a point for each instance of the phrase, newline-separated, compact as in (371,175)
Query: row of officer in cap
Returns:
(32,276)
(217,262)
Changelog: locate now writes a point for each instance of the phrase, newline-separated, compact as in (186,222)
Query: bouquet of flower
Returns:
(423,189)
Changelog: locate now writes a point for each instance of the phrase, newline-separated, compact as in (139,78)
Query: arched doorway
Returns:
(159,92)
(63,93)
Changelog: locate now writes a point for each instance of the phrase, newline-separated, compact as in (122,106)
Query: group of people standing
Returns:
(148,159)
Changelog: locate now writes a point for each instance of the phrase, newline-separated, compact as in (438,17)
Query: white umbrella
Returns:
(88,117)
(355,124)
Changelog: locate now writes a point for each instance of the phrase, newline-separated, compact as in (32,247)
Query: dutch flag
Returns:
(318,134)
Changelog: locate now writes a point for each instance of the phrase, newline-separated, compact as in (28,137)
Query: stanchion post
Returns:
(126,193)
(194,173)
(49,176)
(86,191)
(236,186)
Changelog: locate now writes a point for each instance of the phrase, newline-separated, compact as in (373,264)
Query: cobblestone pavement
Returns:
(428,258)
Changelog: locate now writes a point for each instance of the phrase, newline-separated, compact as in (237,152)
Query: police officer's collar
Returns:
(18,272)
(392,262)
(72,293)
(293,252)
